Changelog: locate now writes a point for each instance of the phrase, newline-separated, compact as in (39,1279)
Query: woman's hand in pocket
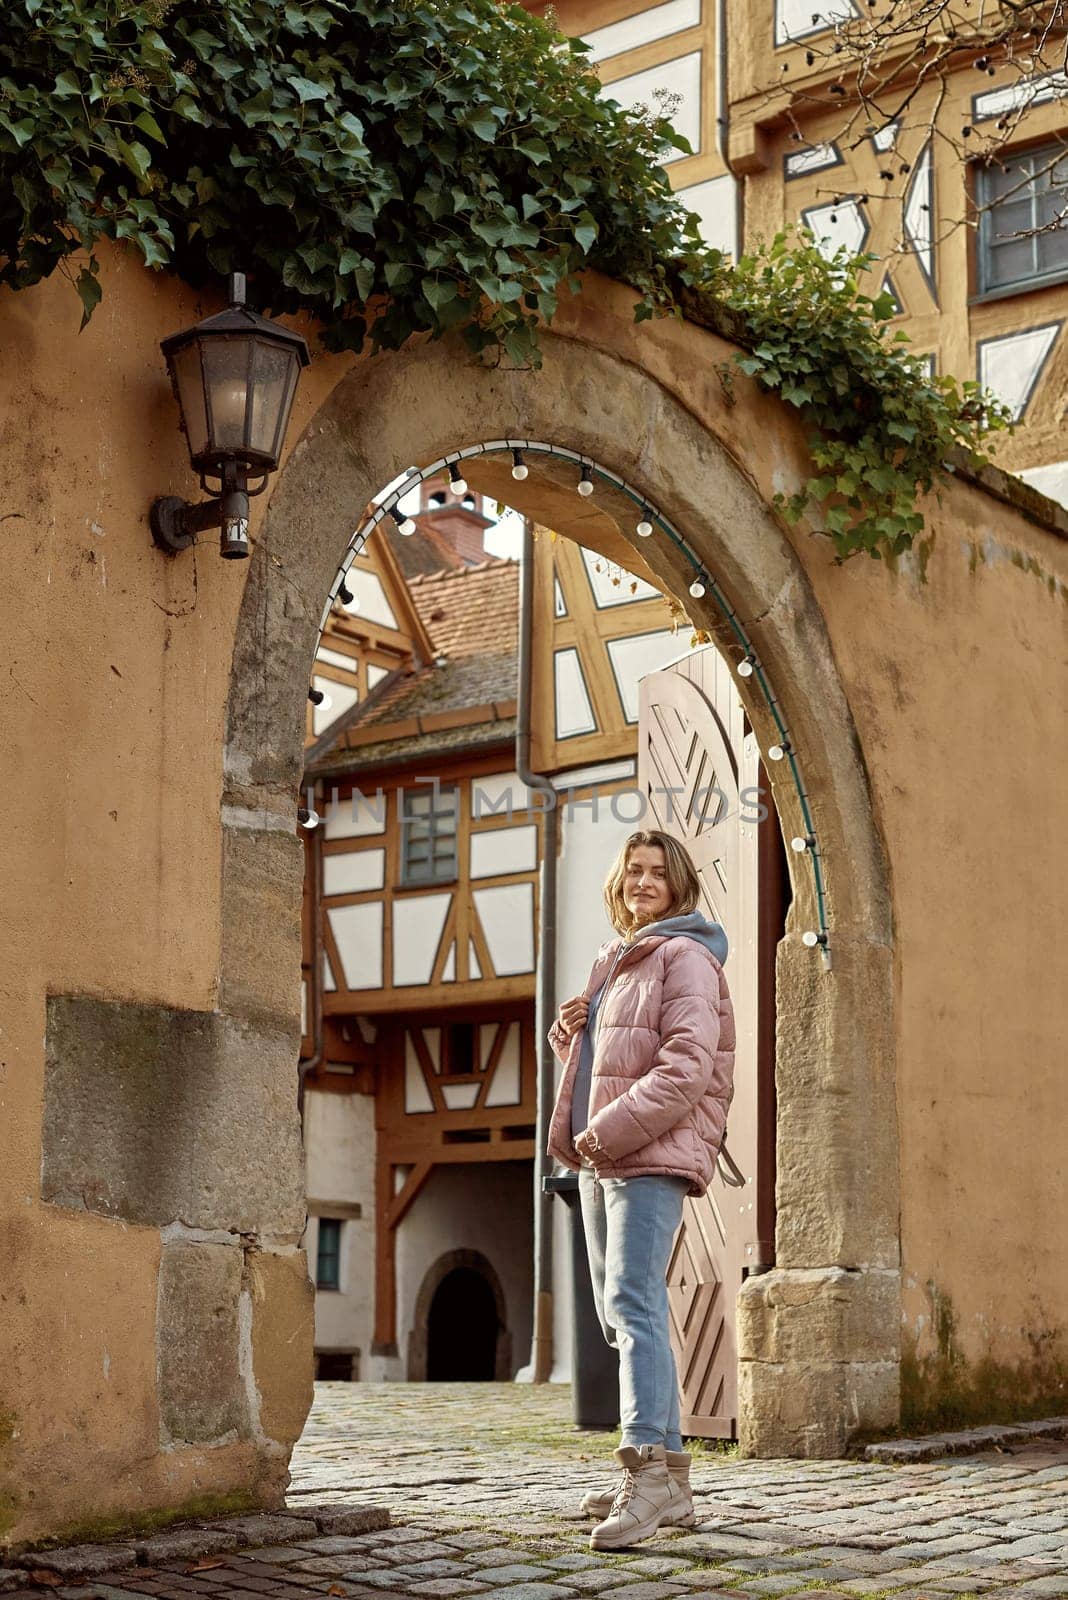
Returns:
(573,1014)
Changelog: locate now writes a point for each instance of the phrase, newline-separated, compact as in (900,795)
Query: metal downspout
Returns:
(315,996)
(723,126)
(541,1355)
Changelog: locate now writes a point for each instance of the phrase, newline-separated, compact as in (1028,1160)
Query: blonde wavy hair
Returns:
(683,883)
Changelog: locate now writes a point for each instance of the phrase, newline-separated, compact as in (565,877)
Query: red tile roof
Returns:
(472,618)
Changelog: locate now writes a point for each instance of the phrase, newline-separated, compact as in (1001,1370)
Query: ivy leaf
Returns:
(89,293)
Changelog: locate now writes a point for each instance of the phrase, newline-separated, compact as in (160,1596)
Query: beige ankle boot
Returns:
(598,1502)
(645,1500)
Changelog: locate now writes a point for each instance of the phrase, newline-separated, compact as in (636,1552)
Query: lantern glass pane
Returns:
(185,367)
(226,372)
(274,377)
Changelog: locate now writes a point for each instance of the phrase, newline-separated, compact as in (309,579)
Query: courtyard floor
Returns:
(483,1481)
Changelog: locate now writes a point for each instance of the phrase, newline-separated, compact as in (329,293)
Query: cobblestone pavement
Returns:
(483,1483)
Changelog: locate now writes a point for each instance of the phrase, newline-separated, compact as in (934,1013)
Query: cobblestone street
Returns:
(483,1482)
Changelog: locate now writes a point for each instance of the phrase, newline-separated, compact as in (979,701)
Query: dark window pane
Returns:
(1021,198)
(328,1258)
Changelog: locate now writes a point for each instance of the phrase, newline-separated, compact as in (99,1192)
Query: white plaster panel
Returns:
(657,22)
(794,18)
(498,850)
(812,159)
(369,597)
(715,204)
(844,224)
(375,674)
(459,1096)
(336,658)
(357,934)
(1051,480)
(448,971)
(339,698)
(506,1087)
(417,1097)
(919,213)
(1011,366)
(633,658)
(1027,92)
(356,817)
(499,795)
(681,77)
(417,924)
(605,591)
(604,772)
(559,606)
(354,871)
(432,1045)
(329,985)
(473,968)
(507,917)
(574,713)
(885,138)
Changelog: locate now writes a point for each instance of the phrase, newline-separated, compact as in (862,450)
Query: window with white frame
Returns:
(1023,219)
(428,835)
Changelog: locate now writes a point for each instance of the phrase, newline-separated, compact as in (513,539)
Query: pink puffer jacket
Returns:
(663,1063)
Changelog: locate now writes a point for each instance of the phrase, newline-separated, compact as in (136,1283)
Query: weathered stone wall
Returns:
(154,1303)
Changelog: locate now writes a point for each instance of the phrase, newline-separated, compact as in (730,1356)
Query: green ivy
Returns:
(882,427)
(402,167)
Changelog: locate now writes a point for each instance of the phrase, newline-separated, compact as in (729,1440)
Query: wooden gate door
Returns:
(699,771)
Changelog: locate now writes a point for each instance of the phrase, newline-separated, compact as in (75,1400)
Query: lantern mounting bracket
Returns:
(175,523)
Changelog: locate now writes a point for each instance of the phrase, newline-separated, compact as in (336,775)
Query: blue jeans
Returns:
(630,1226)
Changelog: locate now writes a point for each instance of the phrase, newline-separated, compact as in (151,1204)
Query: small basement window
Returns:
(328,1254)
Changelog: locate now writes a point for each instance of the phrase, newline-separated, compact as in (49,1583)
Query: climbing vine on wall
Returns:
(401,167)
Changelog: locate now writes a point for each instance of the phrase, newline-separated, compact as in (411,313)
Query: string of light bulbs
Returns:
(649,520)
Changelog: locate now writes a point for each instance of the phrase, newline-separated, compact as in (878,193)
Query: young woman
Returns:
(648,1054)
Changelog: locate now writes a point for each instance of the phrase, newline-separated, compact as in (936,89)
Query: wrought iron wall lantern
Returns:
(234,377)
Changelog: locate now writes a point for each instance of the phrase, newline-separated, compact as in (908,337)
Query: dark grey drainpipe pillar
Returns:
(541,1355)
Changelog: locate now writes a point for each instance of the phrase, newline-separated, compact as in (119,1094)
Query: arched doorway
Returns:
(460,1332)
(461,1335)
(824,1324)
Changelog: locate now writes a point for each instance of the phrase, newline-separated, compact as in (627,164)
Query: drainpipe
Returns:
(315,984)
(723,126)
(541,1355)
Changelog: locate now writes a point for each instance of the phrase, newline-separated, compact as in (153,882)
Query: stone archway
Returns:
(818,1335)
(419,1339)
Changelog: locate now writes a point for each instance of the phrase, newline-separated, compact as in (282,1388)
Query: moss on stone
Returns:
(127,1524)
(944,1390)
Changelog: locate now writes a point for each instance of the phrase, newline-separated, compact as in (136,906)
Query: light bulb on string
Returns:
(519,467)
(697,588)
(307,818)
(645,527)
(585,483)
(812,939)
(745,666)
(405,525)
(457,481)
(776,752)
(802,843)
(345,594)
(316,696)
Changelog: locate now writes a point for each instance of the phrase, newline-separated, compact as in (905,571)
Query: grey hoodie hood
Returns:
(691,926)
